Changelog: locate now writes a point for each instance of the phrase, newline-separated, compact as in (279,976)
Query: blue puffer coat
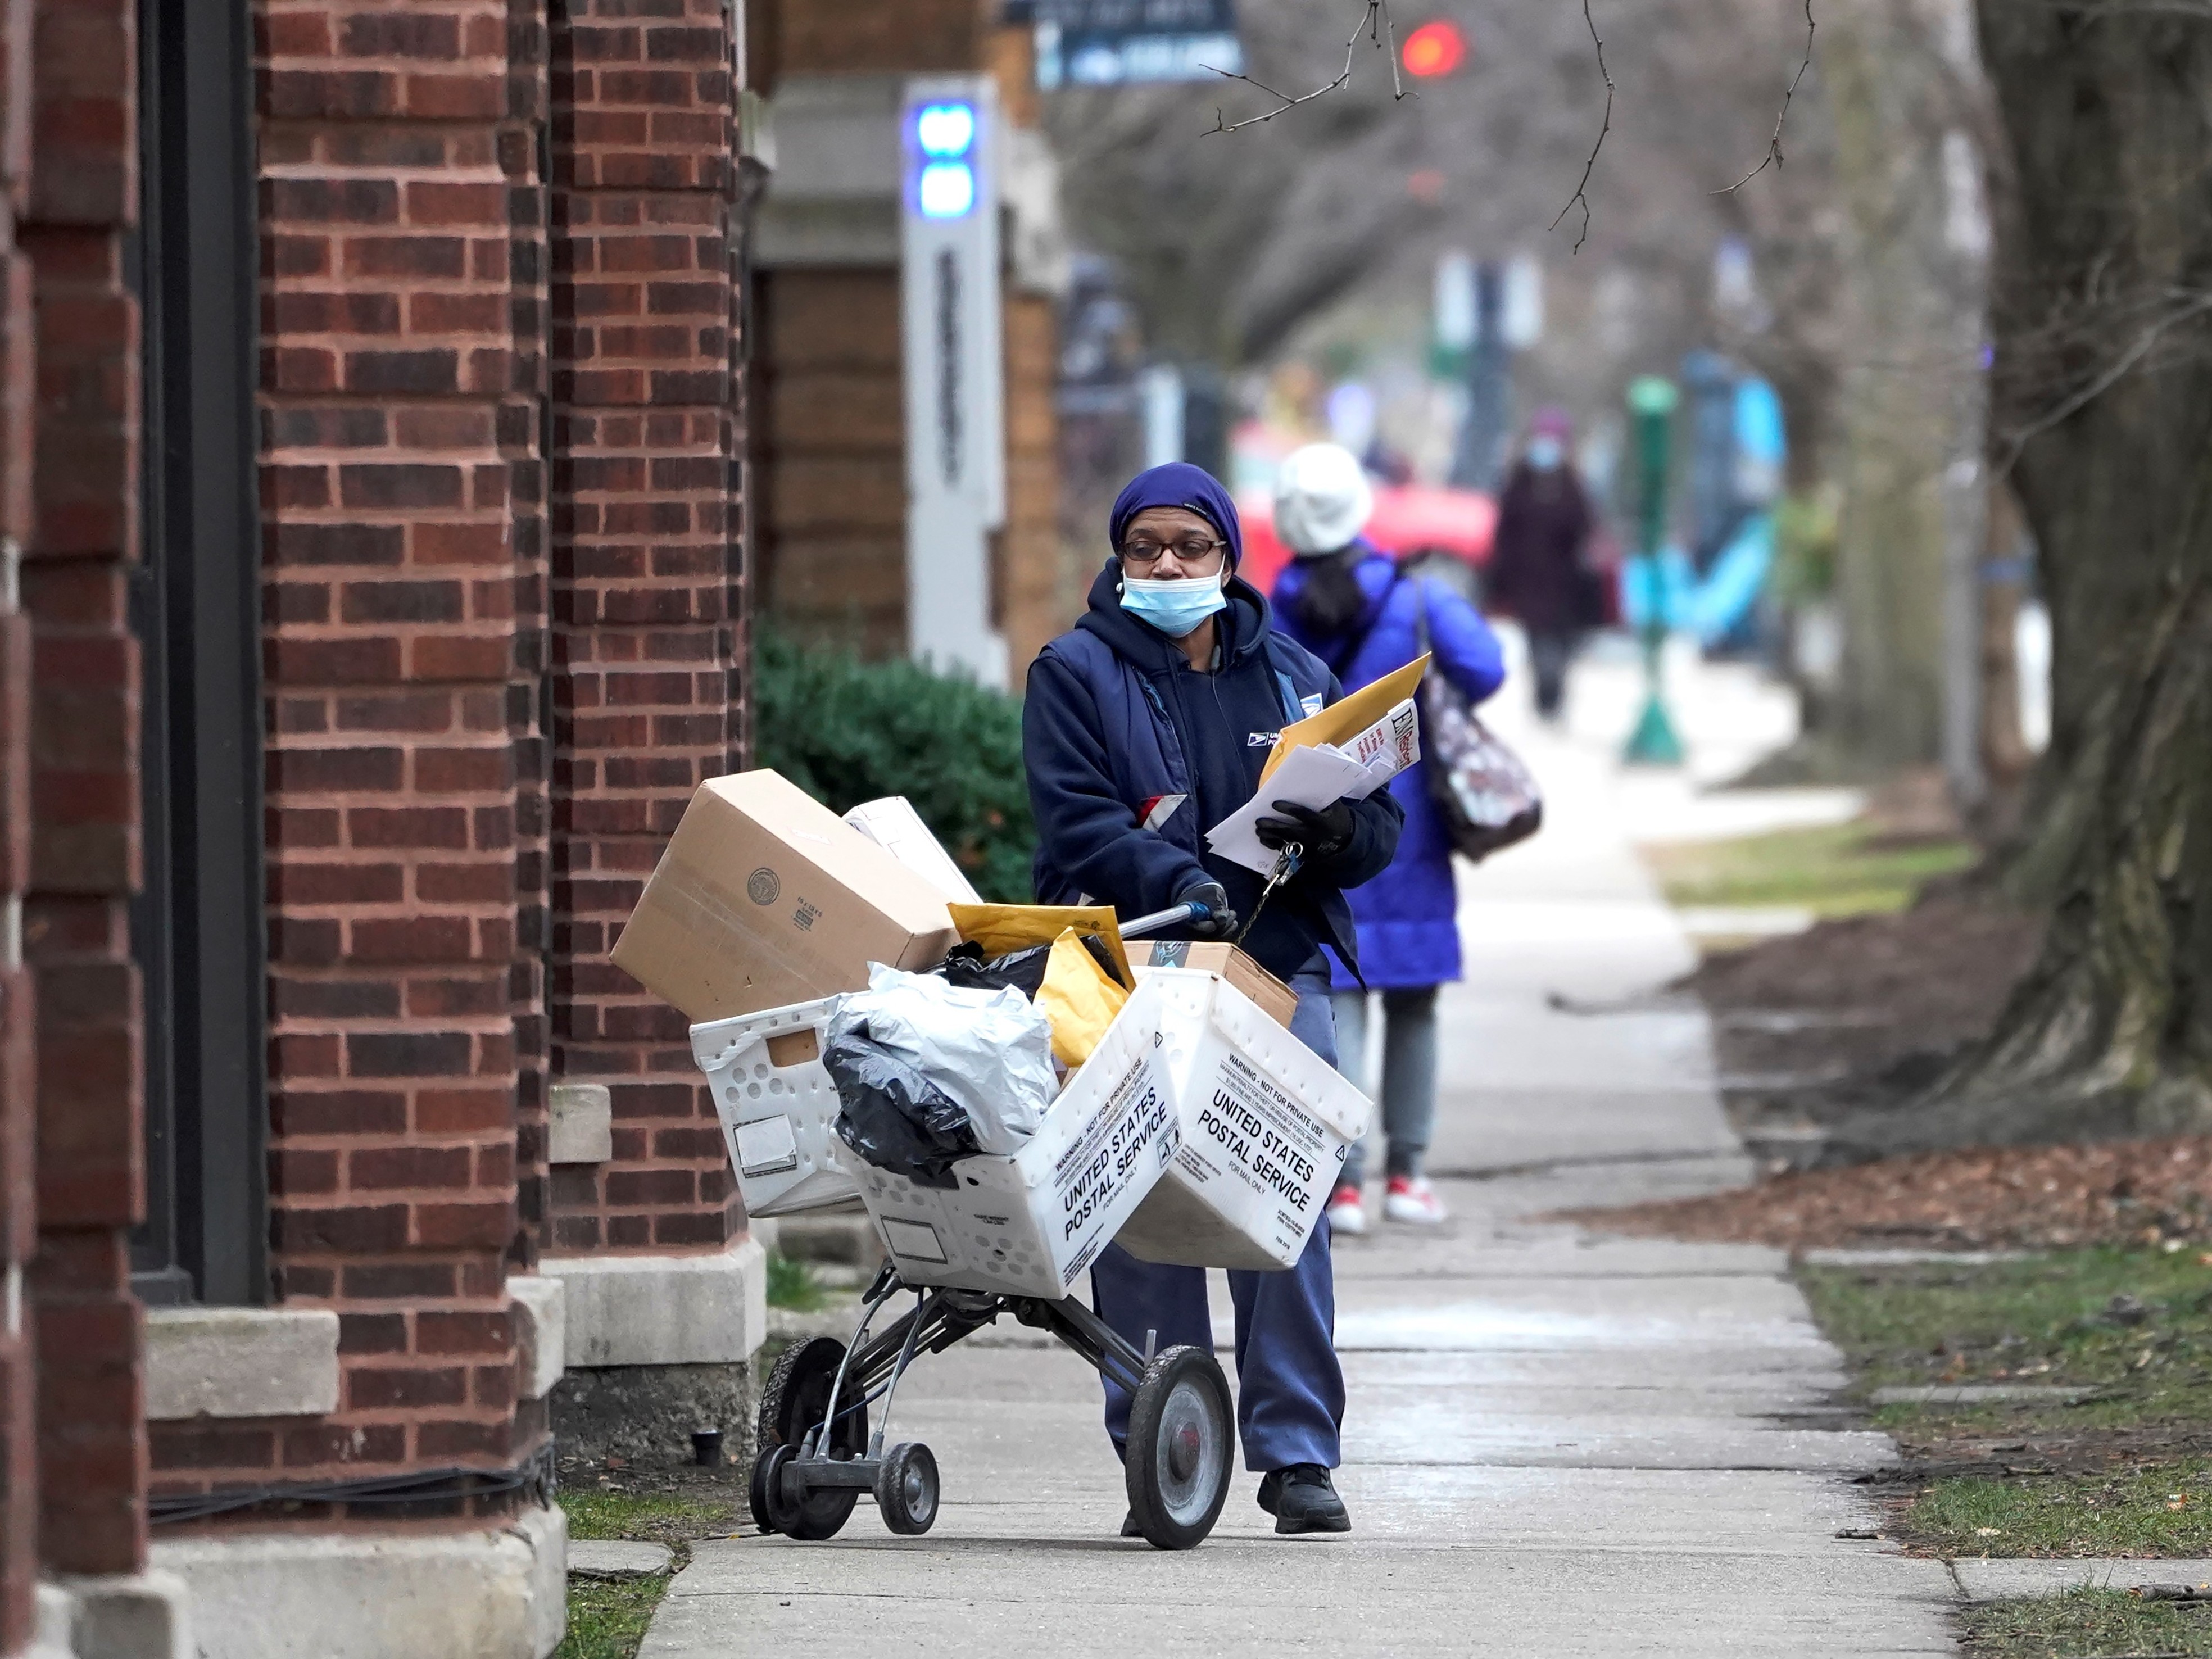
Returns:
(1408,933)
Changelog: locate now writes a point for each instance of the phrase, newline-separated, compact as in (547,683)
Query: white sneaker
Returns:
(1411,1199)
(1345,1215)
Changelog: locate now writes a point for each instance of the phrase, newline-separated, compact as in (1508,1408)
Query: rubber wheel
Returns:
(796,1396)
(906,1489)
(1182,1433)
(820,1514)
(756,1489)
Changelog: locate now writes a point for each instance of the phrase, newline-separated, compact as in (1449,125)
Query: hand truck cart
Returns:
(816,1456)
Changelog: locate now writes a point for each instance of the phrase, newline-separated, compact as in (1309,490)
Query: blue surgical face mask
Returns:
(1545,453)
(1175,607)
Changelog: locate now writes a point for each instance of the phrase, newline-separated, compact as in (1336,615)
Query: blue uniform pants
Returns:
(1290,1389)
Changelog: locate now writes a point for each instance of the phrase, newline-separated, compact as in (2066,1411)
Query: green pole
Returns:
(1652,406)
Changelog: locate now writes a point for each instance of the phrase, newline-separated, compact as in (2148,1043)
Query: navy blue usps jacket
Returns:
(1117,724)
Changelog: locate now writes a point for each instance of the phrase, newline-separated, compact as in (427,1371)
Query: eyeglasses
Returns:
(1190,549)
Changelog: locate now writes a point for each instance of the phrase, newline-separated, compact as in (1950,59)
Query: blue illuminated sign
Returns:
(946,135)
(945,130)
(946,189)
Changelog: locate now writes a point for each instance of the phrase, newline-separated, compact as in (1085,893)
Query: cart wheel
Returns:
(1181,1430)
(817,1516)
(906,1489)
(796,1396)
(756,1489)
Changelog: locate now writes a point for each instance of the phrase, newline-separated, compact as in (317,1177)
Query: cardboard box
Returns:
(778,1105)
(1266,1125)
(1277,999)
(765,897)
(1031,1224)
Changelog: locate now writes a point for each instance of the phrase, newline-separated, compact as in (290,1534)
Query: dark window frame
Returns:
(199,925)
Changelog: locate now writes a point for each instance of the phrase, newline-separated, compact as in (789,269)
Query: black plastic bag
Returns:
(1025,970)
(968,969)
(894,1116)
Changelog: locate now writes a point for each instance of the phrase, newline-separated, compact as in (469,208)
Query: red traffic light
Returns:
(1434,49)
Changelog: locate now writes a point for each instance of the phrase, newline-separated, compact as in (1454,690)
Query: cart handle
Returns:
(1174,914)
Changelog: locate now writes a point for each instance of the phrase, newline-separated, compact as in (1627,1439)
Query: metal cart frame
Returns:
(816,1456)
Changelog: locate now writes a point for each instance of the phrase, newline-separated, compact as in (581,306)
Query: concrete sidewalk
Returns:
(1556,1443)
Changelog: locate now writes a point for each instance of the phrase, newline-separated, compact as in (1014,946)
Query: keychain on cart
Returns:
(1287,866)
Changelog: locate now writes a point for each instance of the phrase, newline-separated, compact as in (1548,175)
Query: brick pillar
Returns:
(82,760)
(646,441)
(522,419)
(396,433)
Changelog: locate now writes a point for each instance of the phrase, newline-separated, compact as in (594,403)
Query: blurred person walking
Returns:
(1352,606)
(1539,570)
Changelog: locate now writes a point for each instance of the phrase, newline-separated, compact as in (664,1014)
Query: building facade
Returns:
(836,554)
(372,595)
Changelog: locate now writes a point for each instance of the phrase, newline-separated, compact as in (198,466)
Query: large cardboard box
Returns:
(1276,999)
(1032,1224)
(765,897)
(1266,1126)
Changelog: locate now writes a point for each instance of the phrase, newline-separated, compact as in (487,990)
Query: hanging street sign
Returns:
(1114,43)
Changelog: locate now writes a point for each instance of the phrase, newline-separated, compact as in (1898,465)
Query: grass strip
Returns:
(2085,1624)
(1835,869)
(792,1285)
(2160,1509)
(2117,1469)
(2131,1328)
(608,1618)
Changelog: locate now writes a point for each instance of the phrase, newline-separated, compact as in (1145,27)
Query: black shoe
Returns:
(1129,1527)
(1302,1500)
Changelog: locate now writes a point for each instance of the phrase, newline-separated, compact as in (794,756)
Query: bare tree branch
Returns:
(1582,189)
(1372,23)
(1773,157)
(2188,305)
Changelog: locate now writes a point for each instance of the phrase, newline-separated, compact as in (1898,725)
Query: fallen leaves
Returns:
(2127,1191)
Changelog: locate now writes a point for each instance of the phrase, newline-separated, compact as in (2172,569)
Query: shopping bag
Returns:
(1486,795)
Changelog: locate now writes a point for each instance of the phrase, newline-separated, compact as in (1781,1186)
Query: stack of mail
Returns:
(1346,752)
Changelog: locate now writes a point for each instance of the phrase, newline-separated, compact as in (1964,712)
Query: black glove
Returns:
(1324,832)
(1220,921)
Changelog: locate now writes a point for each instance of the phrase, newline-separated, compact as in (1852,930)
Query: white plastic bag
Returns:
(991,1051)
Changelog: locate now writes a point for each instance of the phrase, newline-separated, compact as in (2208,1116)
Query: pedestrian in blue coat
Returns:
(1353,608)
(1144,726)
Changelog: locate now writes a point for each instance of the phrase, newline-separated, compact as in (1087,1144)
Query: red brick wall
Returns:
(648,587)
(19,1448)
(84,839)
(403,569)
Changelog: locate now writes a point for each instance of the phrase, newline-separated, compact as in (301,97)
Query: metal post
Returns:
(1651,405)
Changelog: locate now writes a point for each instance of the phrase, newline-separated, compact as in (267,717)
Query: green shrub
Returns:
(845,732)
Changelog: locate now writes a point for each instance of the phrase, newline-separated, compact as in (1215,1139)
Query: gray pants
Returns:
(1408,1094)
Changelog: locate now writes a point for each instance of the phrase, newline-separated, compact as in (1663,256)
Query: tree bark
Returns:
(1910,403)
(2104,399)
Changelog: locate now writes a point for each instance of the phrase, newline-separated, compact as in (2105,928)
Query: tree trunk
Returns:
(1910,403)
(2104,394)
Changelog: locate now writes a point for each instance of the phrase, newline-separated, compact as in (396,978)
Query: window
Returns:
(197,926)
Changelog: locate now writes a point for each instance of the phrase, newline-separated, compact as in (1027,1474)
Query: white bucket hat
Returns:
(1322,498)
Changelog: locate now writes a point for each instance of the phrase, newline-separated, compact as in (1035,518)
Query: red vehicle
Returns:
(1408,519)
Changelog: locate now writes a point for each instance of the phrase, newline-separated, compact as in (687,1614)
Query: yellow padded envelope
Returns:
(1341,721)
